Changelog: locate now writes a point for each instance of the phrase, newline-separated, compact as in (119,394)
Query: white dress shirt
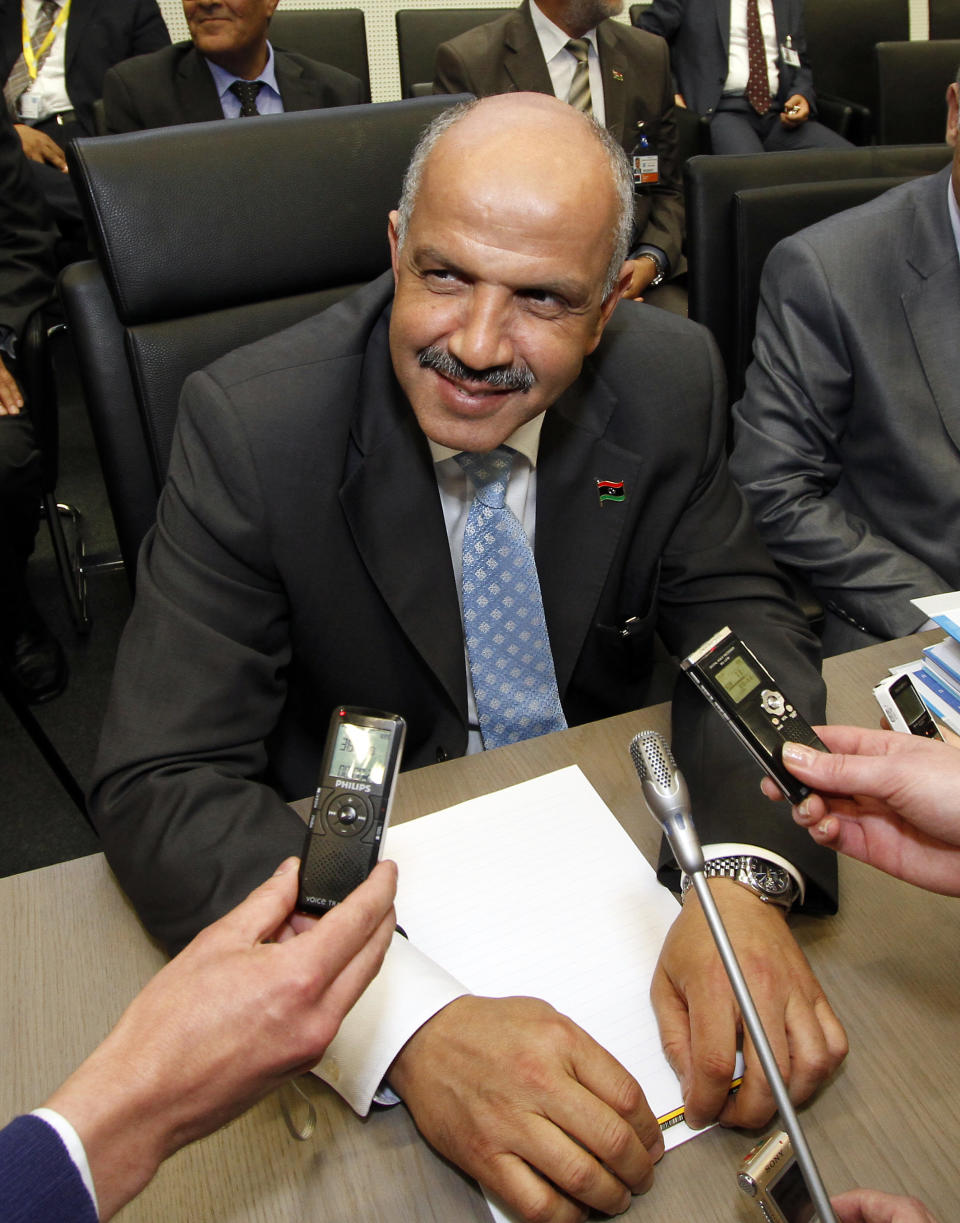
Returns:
(738,64)
(48,94)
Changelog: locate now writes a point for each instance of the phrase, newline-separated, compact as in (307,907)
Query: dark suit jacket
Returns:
(38,1179)
(300,559)
(848,434)
(175,85)
(504,56)
(698,32)
(27,236)
(100,33)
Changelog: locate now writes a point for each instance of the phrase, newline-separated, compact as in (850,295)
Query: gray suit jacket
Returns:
(698,32)
(848,434)
(300,559)
(175,86)
(505,56)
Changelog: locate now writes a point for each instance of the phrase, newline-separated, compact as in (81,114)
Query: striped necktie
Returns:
(19,80)
(579,95)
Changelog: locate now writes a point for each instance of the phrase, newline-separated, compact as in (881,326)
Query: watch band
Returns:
(659,278)
(773,884)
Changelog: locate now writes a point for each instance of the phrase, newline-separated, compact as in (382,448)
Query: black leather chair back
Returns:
(333,36)
(762,216)
(710,185)
(912,79)
(210,236)
(841,35)
(944,19)
(421,31)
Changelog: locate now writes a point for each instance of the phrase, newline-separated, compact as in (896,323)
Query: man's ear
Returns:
(392,220)
(953,108)
(609,303)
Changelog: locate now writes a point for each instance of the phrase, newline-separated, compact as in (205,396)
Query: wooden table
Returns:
(890,1118)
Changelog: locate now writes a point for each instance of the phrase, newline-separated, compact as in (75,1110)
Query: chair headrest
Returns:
(195,218)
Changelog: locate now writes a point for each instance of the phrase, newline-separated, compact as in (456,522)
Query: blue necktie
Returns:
(511,663)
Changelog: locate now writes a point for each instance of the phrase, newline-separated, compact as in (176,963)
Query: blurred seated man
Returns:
(612,72)
(196,1048)
(847,438)
(893,802)
(52,79)
(324,535)
(228,70)
(28,650)
(744,64)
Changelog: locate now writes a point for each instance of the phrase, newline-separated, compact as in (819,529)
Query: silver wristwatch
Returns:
(659,277)
(773,884)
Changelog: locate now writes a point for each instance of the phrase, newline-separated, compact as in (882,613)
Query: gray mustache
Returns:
(500,377)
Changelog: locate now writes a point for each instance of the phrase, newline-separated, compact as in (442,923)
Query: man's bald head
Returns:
(531,143)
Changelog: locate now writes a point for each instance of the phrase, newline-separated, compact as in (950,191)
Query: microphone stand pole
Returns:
(769,1063)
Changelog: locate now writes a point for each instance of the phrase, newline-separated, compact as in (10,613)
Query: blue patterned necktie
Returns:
(511,665)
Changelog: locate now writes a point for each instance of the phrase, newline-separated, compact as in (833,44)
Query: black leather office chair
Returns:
(912,79)
(841,35)
(198,255)
(421,31)
(333,36)
(710,186)
(944,19)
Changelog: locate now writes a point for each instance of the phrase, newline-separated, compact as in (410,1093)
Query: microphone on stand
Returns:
(669,801)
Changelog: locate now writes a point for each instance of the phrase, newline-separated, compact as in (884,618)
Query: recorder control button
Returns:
(347,815)
(773,702)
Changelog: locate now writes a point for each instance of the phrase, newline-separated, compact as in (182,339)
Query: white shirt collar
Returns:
(553,40)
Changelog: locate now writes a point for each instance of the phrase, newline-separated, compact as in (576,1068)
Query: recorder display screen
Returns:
(737,679)
(361,753)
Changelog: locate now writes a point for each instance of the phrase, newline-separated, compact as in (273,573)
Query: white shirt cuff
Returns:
(409,989)
(732,849)
(71,1140)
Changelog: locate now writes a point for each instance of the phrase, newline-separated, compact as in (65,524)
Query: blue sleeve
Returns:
(38,1179)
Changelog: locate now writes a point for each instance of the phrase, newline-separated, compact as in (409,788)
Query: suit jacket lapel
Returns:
(290,83)
(613,69)
(933,255)
(390,499)
(79,17)
(523,60)
(723,25)
(196,92)
(577,534)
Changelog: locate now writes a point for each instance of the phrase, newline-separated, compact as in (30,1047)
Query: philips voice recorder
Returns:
(351,808)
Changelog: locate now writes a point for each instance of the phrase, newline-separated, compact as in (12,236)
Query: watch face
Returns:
(771,880)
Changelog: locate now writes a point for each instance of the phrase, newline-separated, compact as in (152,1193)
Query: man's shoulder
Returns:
(316,70)
(336,335)
(880,223)
(643,347)
(632,39)
(490,36)
(165,62)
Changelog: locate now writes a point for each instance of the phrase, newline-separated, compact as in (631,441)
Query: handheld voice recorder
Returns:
(749,699)
(903,707)
(351,808)
(771,1177)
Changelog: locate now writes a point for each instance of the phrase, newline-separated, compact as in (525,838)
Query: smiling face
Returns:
(232,33)
(499,279)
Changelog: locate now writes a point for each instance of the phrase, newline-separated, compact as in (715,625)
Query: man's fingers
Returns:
(266,908)
(337,937)
(527,1194)
(339,995)
(673,1020)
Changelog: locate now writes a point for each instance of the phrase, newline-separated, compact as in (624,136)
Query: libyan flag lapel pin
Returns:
(610,490)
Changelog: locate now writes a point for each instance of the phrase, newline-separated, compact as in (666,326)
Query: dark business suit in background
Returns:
(848,434)
(301,559)
(100,33)
(698,32)
(175,85)
(504,56)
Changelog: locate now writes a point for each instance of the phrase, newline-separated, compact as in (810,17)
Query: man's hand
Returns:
(525,1101)
(38,146)
(679,100)
(890,800)
(642,270)
(700,1021)
(11,401)
(869,1206)
(220,1026)
(796,110)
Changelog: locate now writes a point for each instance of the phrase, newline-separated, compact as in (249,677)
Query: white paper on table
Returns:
(537,890)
